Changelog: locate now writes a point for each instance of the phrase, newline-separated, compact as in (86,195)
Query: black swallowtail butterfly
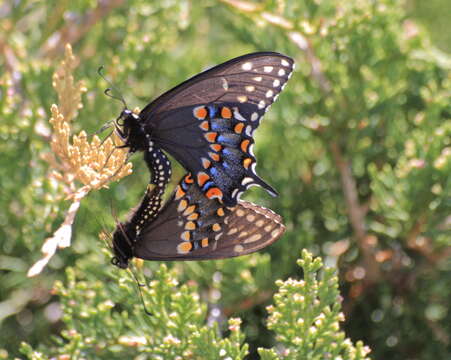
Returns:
(207,124)
(193,227)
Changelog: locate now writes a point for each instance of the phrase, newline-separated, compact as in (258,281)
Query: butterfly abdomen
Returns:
(127,233)
(159,166)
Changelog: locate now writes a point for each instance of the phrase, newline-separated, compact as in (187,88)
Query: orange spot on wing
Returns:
(184,247)
(244,145)
(211,136)
(190,225)
(182,205)
(216,147)
(214,156)
(204,242)
(193,216)
(220,212)
(239,128)
(247,162)
(202,178)
(226,113)
(179,193)
(189,210)
(189,179)
(216,227)
(200,113)
(206,163)
(214,193)
(204,125)
(186,235)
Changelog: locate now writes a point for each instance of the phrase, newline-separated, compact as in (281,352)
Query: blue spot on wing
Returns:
(214,171)
(212,111)
(208,185)
(232,155)
(220,125)
(229,139)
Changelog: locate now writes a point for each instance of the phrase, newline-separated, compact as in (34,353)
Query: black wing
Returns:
(207,122)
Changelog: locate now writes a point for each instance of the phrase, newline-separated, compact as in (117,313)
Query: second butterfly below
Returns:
(192,227)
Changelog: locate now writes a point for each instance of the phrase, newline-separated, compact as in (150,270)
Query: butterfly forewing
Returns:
(209,86)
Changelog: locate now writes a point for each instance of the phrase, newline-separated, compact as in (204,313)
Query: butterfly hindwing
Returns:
(207,123)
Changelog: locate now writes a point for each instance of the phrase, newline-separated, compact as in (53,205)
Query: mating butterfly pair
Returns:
(207,124)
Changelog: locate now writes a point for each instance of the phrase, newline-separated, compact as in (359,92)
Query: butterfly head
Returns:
(127,120)
(122,248)
(130,129)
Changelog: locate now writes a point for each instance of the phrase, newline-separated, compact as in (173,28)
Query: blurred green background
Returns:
(358,146)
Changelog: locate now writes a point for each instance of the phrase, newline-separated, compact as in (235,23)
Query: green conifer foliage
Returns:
(358,145)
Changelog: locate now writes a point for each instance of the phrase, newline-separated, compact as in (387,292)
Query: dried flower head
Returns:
(93,164)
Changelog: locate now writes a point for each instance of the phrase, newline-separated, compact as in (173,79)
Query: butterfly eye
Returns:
(120,264)
(120,120)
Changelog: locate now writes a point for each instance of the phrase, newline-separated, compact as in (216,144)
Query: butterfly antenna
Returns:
(107,91)
(140,292)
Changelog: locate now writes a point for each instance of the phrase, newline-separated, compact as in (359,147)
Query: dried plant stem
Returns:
(356,215)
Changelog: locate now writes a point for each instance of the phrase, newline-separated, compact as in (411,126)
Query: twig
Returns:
(356,212)
(294,35)
(72,32)
(316,69)
(424,247)
(60,239)
(10,59)
(11,65)
(356,215)
(440,333)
